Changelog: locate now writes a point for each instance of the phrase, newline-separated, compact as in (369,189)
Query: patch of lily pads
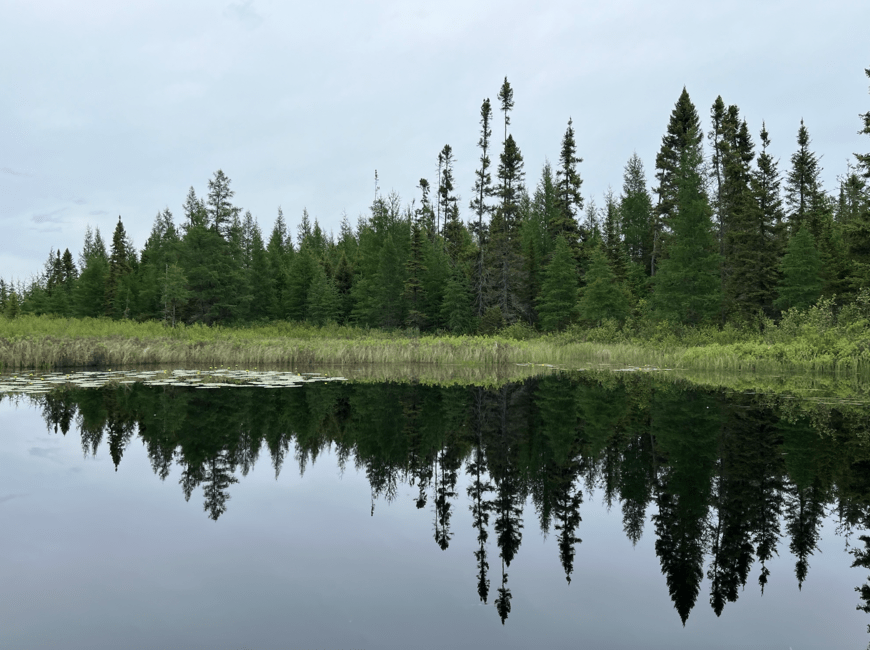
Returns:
(38,383)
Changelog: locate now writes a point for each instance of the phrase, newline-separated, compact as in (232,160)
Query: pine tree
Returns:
(687,282)
(569,201)
(558,298)
(389,283)
(801,268)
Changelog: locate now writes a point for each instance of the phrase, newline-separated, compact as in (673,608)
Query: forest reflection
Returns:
(727,479)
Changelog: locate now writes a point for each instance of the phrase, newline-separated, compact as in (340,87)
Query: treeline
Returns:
(725,236)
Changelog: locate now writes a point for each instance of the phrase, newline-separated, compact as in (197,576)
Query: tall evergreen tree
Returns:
(687,282)
(90,291)
(568,198)
(558,298)
(801,269)
(683,133)
(604,296)
(504,247)
(118,292)
(220,210)
(636,214)
(506,100)
(802,188)
(482,192)
(414,292)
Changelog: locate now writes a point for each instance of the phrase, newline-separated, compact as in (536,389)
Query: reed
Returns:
(50,342)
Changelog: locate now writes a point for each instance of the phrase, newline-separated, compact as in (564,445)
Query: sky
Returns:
(114,109)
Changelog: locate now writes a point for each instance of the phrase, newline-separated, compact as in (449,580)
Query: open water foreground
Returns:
(302,511)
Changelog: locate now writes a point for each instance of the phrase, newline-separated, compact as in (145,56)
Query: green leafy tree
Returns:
(558,297)
(801,269)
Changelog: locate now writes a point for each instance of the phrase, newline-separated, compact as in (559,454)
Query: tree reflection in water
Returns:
(729,477)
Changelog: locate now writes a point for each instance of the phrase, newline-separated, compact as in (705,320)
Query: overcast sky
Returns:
(117,108)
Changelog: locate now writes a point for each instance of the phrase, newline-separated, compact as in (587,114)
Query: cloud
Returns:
(13,172)
(48,217)
(49,453)
(244,13)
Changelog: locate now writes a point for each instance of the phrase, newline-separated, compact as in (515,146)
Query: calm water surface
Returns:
(560,511)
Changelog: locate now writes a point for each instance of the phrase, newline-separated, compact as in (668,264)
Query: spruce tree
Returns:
(504,246)
(278,260)
(568,198)
(220,210)
(481,193)
(802,186)
(801,269)
(117,299)
(604,296)
(687,282)
(415,269)
(90,291)
(683,133)
(457,311)
(323,302)
(558,298)
(636,214)
(506,100)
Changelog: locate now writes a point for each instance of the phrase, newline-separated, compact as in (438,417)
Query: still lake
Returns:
(624,510)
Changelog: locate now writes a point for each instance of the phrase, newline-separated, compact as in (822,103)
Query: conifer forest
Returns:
(714,231)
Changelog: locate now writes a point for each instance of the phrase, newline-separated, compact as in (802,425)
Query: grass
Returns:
(815,341)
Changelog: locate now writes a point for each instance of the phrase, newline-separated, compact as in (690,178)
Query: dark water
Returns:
(559,511)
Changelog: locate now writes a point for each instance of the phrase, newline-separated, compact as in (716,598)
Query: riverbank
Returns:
(814,342)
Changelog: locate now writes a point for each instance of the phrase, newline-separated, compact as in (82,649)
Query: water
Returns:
(394,515)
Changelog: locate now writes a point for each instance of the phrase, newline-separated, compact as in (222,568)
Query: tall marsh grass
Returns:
(816,341)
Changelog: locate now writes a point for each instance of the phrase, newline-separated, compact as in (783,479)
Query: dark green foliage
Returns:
(636,214)
(506,100)
(415,270)
(687,282)
(323,303)
(803,192)
(482,191)
(558,298)
(220,211)
(569,201)
(801,269)
(504,229)
(456,308)
(491,322)
(119,292)
(683,133)
(604,296)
